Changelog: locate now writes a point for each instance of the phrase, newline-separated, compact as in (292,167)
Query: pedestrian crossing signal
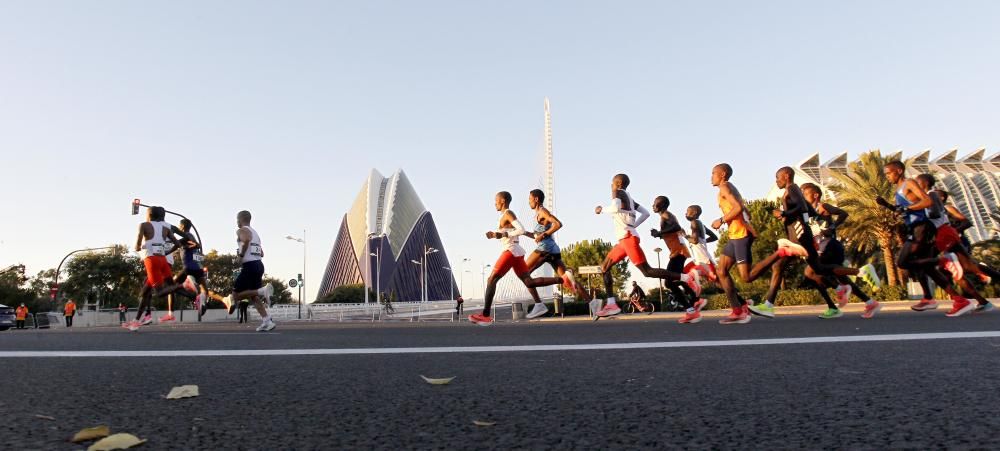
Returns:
(135,207)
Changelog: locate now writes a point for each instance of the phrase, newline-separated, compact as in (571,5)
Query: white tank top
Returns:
(156,245)
(254,251)
(625,220)
(511,244)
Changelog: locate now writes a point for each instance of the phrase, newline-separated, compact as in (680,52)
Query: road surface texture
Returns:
(903,380)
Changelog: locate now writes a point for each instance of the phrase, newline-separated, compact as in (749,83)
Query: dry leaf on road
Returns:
(93,433)
(184,391)
(484,423)
(45,417)
(441,381)
(117,441)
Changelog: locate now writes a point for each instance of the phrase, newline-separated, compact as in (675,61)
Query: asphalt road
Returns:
(890,393)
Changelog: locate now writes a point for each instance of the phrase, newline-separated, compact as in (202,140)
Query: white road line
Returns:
(524,348)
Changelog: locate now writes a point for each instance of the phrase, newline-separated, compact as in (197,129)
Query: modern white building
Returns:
(972,181)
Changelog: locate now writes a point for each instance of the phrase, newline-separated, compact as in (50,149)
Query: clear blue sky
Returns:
(283,107)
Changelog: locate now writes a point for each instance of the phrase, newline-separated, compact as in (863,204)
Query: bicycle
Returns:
(635,305)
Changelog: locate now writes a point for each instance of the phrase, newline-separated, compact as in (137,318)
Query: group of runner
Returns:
(157,241)
(933,247)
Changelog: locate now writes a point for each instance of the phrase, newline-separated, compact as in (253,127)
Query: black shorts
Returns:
(251,277)
(739,250)
(833,253)
(197,273)
(550,258)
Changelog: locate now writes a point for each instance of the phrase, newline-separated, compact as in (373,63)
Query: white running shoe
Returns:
(266,325)
(595,306)
(266,292)
(792,248)
(537,310)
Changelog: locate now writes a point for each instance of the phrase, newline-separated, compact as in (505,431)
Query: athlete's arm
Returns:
(735,206)
(244,236)
(923,200)
(138,240)
(796,197)
(710,236)
(959,221)
(643,215)
(546,215)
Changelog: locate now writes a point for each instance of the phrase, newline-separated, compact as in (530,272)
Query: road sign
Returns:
(293,283)
(591,270)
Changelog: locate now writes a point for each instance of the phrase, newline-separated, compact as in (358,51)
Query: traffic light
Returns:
(135,206)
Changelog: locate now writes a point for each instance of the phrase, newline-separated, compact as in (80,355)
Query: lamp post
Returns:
(420,276)
(450,285)
(303,284)
(463,271)
(55,279)
(368,264)
(427,251)
(658,250)
(485,267)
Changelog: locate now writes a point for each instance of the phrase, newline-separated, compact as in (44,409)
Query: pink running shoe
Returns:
(791,249)
(609,310)
(843,295)
(924,304)
(700,304)
(480,320)
(693,282)
(959,307)
(167,318)
(871,309)
(690,318)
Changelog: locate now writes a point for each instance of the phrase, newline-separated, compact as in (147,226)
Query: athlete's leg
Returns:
(728,286)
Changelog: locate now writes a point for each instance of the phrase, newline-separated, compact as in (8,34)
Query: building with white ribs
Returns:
(972,181)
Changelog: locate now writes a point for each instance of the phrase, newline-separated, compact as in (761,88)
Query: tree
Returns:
(14,290)
(282,295)
(346,294)
(592,253)
(103,277)
(221,270)
(870,228)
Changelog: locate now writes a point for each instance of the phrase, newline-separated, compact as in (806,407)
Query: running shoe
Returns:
(690,318)
(949,262)
(700,304)
(167,318)
(831,313)
(791,249)
(959,307)
(983,308)
(134,325)
(595,306)
(843,295)
(480,320)
(266,292)
(870,276)
(537,310)
(871,309)
(737,316)
(986,280)
(146,320)
(694,282)
(924,304)
(761,309)
(609,310)
(266,325)
(230,304)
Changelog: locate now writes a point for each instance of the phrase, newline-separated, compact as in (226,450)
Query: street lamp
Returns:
(427,251)
(368,264)
(485,267)
(658,250)
(421,277)
(303,283)
(451,285)
(463,271)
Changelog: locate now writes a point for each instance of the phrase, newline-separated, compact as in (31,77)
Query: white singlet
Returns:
(511,242)
(254,251)
(156,245)
(625,220)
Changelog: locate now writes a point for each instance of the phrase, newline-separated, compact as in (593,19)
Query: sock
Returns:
(685,278)
(870,302)
(611,301)
(690,309)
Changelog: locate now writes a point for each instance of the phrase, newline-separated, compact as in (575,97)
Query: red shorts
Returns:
(508,261)
(947,238)
(157,270)
(628,247)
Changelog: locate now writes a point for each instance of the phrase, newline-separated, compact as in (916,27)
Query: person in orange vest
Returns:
(20,314)
(69,310)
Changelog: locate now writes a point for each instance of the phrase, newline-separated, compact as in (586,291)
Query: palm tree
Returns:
(870,227)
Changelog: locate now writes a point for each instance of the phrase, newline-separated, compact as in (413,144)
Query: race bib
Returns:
(154,249)
(198,257)
(255,250)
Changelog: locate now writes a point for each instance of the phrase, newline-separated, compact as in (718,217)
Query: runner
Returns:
(955,258)
(547,251)
(794,213)
(824,226)
(673,236)
(192,256)
(512,257)
(961,224)
(151,242)
(249,283)
(737,250)
(912,202)
(624,210)
(698,242)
